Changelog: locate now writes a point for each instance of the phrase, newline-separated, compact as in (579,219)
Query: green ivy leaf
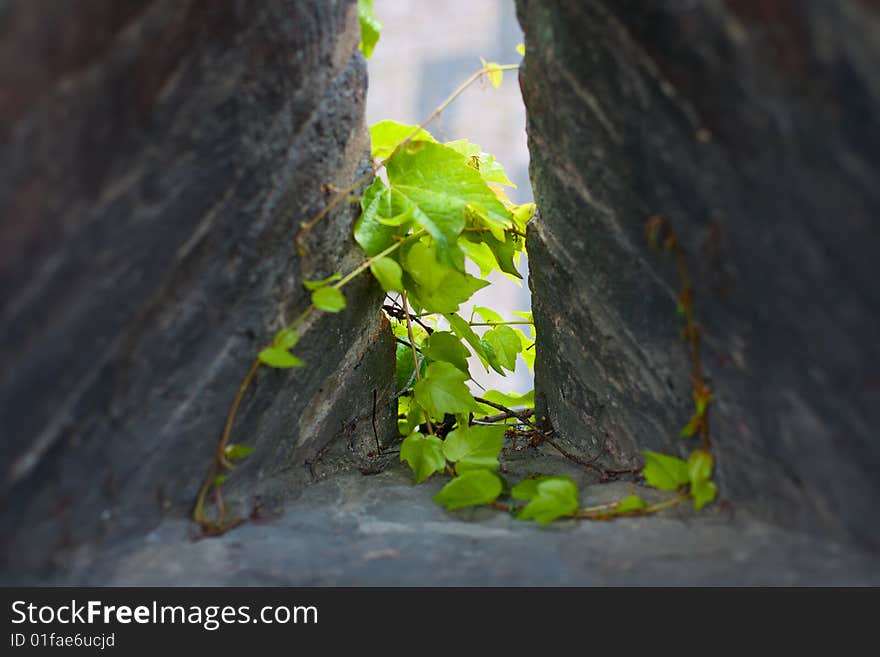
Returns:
(279,358)
(703,493)
(550,498)
(463,330)
(665,472)
(445,346)
(424,454)
(487,314)
(471,488)
(237,452)
(503,346)
(285,339)
(474,448)
(442,390)
(314,285)
(370,27)
(509,399)
(385,136)
(438,182)
(404,366)
(385,218)
(699,473)
(437,288)
(486,164)
(630,503)
(328,299)
(495,73)
(388,273)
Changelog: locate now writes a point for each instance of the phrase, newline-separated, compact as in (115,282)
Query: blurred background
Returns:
(413,70)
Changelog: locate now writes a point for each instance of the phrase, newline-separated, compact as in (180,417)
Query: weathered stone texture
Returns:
(754,126)
(157,159)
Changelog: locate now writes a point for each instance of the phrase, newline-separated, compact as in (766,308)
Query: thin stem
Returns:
(412,344)
(217,465)
(500,323)
(606,511)
(369,261)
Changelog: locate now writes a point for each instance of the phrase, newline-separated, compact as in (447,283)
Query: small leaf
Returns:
(387,135)
(495,73)
(328,299)
(488,314)
(504,345)
(521,48)
(699,466)
(279,358)
(463,330)
(370,27)
(219,480)
(631,503)
(314,285)
(509,399)
(443,390)
(471,488)
(665,472)
(285,339)
(444,346)
(550,498)
(424,454)
(703,494)
(474,448)
(388,273)
(699,472)
(236,452)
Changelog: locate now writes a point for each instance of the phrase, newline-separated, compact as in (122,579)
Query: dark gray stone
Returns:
(354,530)
(754,126)
(158,158)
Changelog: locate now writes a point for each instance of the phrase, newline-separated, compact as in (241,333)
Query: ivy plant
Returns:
(432,229)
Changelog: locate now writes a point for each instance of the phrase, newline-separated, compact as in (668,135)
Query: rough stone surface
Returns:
(753,126)
(381,530)
(157,159)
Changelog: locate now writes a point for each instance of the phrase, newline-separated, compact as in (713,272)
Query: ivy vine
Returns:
(439,208)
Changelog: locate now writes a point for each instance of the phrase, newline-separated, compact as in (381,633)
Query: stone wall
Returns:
(158,158)
(753,125)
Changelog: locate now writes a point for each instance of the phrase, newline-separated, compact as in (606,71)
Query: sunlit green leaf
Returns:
(386,135)
(494,72)
(424,454)
(521,48)
(443,390)
(444,346)
(472,488)
(699,473)
(370,27)
(550,498)
(328,299)
(665,472)
(463,330)
(630,503)
(487,314)
(476,447)
(279,358)
(285,339)
(314,285)
(503,346)
(388,273)
(437,287)
(379,225)
(438,182)
(703,493)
